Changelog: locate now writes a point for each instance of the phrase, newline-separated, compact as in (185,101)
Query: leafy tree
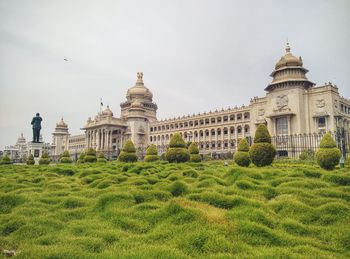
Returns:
(262,152)
(328,155)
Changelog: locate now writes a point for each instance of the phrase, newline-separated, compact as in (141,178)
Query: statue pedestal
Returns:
(36,149)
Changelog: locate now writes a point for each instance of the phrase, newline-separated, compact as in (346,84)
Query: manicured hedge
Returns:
(328,154)
(194,152)
(177,151)
(128,153)
(45,159)
(262,152)
(90,156)
(242,157)
(151,154)
(65,158)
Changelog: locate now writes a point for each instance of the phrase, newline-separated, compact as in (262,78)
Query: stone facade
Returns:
(292,105)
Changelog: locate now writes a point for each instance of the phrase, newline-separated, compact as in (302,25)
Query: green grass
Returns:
(160,210)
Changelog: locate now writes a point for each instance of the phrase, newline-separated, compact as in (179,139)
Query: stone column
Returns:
(97,140)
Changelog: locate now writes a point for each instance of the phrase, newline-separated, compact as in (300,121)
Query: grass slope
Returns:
(174,211)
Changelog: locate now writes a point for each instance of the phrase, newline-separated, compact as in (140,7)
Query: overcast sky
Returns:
(195,55)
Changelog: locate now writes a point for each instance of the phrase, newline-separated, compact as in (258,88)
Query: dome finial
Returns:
(287,47)
(139,78)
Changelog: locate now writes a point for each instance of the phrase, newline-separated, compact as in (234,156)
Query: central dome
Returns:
(139,91)
(289,60)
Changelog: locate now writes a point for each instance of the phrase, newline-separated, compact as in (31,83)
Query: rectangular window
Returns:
(282,126)
(321,122)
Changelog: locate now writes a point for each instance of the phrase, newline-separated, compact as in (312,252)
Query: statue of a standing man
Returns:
(36,122)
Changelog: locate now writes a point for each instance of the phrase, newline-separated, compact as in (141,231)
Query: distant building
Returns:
(18,151)
(292,105)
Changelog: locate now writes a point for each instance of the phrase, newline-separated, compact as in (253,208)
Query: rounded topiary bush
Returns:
(328,154)
(90,156)
(128,153)
(177,151)
(5,160)
(45,159)
(194,152)
(151,154)
(101,158)
(65,158)
(242,155)
(30,160)
(262,152)
(81,158)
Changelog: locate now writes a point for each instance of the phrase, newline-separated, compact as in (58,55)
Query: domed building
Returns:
(295,110)
(107,133)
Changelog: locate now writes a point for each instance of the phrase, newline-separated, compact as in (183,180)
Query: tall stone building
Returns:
(292,105)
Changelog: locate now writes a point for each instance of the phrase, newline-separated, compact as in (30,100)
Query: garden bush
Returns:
(194,152)
(177,151)
(30,160)
(328,154)
(5,160)
(151,154)
(262,152)
(81,158)
(45,159)
(90,156)
(242,155)
(101,158)
(128,153)
(307,154)
(65,158)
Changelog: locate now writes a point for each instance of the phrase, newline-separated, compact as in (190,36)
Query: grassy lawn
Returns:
(186,210)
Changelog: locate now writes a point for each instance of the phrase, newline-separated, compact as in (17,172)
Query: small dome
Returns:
(289,60)
(107,112)
(139,91)
(61,124)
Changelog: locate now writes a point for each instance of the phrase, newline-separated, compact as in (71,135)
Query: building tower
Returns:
(60,138)
(287,95)
(139,110)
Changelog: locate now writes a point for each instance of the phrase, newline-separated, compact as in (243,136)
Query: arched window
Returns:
(212,132)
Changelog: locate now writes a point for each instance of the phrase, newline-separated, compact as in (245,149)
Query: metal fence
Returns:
(292,145)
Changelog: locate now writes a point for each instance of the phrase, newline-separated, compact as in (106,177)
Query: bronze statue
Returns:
(36,122)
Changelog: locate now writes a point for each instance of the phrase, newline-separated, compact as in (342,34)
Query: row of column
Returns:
(99,139)
(222,137)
